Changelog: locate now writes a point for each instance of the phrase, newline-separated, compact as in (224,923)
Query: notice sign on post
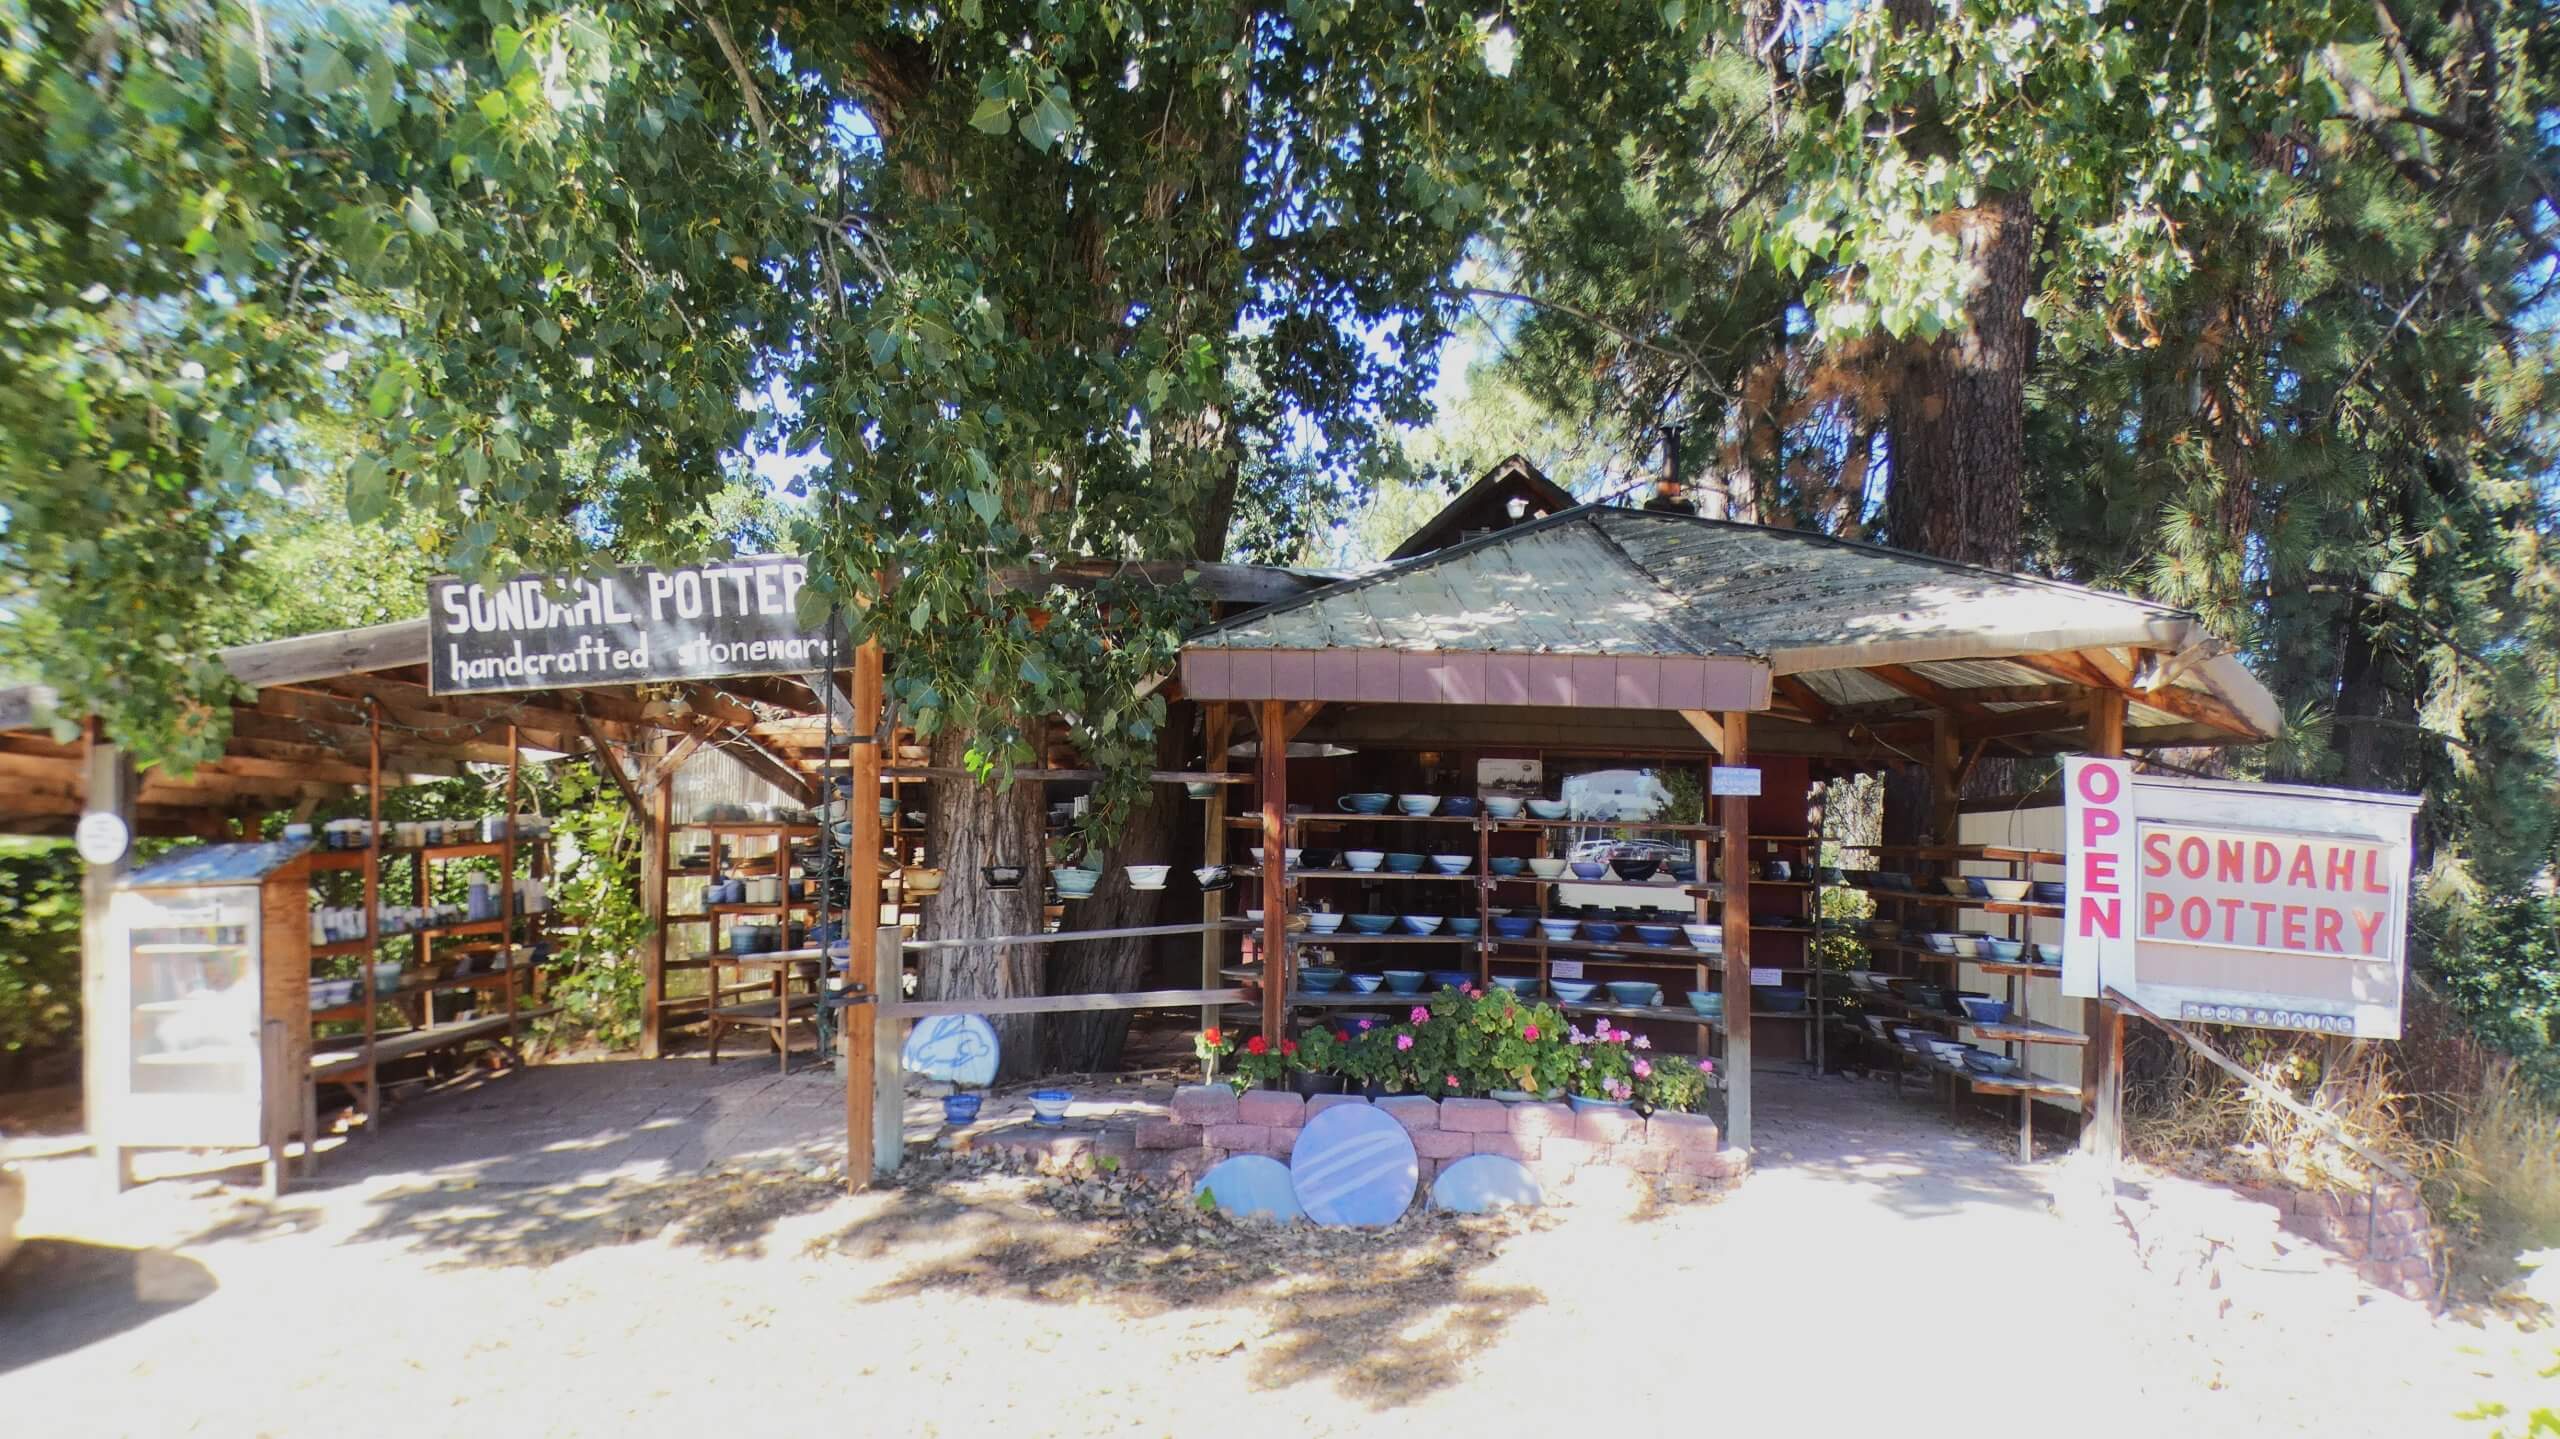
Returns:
(2271,905)
(625,626)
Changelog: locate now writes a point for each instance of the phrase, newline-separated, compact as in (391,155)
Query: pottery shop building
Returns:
(1678,695)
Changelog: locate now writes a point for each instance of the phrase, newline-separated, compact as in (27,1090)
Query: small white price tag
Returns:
(1767,976)
(1727,779)
(1565,969)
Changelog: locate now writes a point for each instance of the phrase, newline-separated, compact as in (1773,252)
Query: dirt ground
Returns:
(648,1249)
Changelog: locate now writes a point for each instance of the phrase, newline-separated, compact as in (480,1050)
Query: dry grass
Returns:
(2194,1116)
(2506,1167)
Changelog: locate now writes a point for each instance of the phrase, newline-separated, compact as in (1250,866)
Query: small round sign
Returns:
(1254,1186)
(101,837)
(954,1048)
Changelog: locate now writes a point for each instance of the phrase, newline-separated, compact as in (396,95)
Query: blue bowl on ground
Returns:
(1600,931)
(1049,1106)
(1451,978)
(1657,934)
(1984,1011)
(1573,991)
(1400,863)
(1465,926)
(1372,923)
(1775,999)
(1404,981)
(1635,991)
(1514,926)
(1319,979)
(1504,864)
(1523,985)
(961,1108)
(1588,869)
(1367,983)
(1707,1002)
(1461,805)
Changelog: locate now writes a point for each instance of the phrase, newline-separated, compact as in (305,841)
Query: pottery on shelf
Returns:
(1214,876)
(1372,923)
(1323,921)
(1514,926)
(1421,923)
(2007,891)
(1400,862)
(1635,871)
(1545,868)
(1559,929)
(1320,979)
(923,881)
(1465,926)
(1367,983)
(1199,789)
(1001,876)
(1417,805)
(1504,864)
(1574,991)
(1548,809)
(1461,806)
(1075,882)
(1404,981)
(1502,806)
(1365,803)
(1600,931)
(1707,1002)
(1364,861)
(1147,876)
(1657,934)
(1589,869)
(1523,985)
(1452,864)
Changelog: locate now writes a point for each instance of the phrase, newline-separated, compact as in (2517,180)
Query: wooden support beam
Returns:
(611,764)
(869,960)
(656,820)
(1734,813)
(1276,969)
(1709,728)
(109,789)
(1928,691)
(673,760)
(764,764)
(2041,719)
(1217,721)
(1815,708)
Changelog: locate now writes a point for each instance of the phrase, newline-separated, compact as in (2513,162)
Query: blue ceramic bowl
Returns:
(961,1108)
(1401,863)
(1452,864)
(1049,1106)
(1599,931)
(1319,979)
(1587,869)
(1372,923)
(2006,949)
(1573,991)
(1367,983)
(1974,886)
(1707,1002)
(1548,808)
(1404,981)
(1985,1011)
(1451,978)
(1420,923)
(2046,891)
(1657,934)
(1559,928)
(1461,805)
(1523,985)
(1634,991)
(1514,926)
(1507,864)
(1772,999)
(1465,926)
(1366,803)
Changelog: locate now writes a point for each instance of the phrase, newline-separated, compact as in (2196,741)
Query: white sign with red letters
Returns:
(2278,906)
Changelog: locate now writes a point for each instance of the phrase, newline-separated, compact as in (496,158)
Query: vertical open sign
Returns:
(2098,881)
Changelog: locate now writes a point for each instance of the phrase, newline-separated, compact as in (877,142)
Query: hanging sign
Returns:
(625,626)
(2279,906)
(101,837)
(1732,779)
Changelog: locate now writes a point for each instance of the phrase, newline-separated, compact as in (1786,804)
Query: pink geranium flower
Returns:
(1404,1041)
(1453,1081)
(1706,1066)
(1420,1015)
(1530,1032)
(1643,1042)
(1644,1069)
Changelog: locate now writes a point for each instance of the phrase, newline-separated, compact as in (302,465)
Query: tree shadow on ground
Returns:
(59,1295)
(1388,1317)
(466,1224)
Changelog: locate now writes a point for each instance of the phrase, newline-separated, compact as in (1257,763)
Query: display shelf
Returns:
(487,980)
(1993,853)
(1987,906)
(2025,1031)
(1676,1013)
(1301,939)
(2019,968)
(1614,883)
(1254,821)
(749,827)
(1364,874)
(349,946)
(1588,946)
(1524,824)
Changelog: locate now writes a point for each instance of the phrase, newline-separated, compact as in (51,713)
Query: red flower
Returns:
(1212,1037)
(1256,1045)
(1288,1046)
(1342,1036)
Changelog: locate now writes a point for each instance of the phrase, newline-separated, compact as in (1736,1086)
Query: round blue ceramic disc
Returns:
(954,1048)
(1354,1165)
(1482,1183)
(1254,1185)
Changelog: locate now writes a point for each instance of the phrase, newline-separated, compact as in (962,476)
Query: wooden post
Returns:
(1272,747)
(372,910)
(2102,1059)
(1946,757)
(864,952)
(507,950)
(656,824)
(889,1041)
(108,787)
(1734,813)
(1217,724)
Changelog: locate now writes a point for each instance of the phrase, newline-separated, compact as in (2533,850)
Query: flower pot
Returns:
(1374,1089)
(1311,1084)
(1580,1104)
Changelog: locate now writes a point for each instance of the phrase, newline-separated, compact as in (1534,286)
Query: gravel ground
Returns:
(1883,1272)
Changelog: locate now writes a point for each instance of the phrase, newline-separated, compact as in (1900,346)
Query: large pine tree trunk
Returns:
(972,824)
(1958,409)
(1103,966)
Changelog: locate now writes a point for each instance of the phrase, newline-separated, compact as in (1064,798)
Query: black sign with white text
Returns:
(626,626)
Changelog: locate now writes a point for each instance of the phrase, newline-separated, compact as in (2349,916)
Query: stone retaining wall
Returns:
(2386,1234)
(1208,1122)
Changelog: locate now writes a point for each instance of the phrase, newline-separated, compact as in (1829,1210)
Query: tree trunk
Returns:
(1957,413)
(1092,1041)
(972,824)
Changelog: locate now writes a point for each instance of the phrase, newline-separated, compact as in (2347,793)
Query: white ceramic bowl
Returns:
(1147,876)
(1417,804)
(2007,891)
(1704,936)
(1502,806)
(1322,921)
(1547,868)
(1366,861)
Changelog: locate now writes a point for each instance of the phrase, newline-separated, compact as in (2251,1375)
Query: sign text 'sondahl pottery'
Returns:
(626,626)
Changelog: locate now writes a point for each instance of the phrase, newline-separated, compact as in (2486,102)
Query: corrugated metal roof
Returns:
(214,864)
(1608,581)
